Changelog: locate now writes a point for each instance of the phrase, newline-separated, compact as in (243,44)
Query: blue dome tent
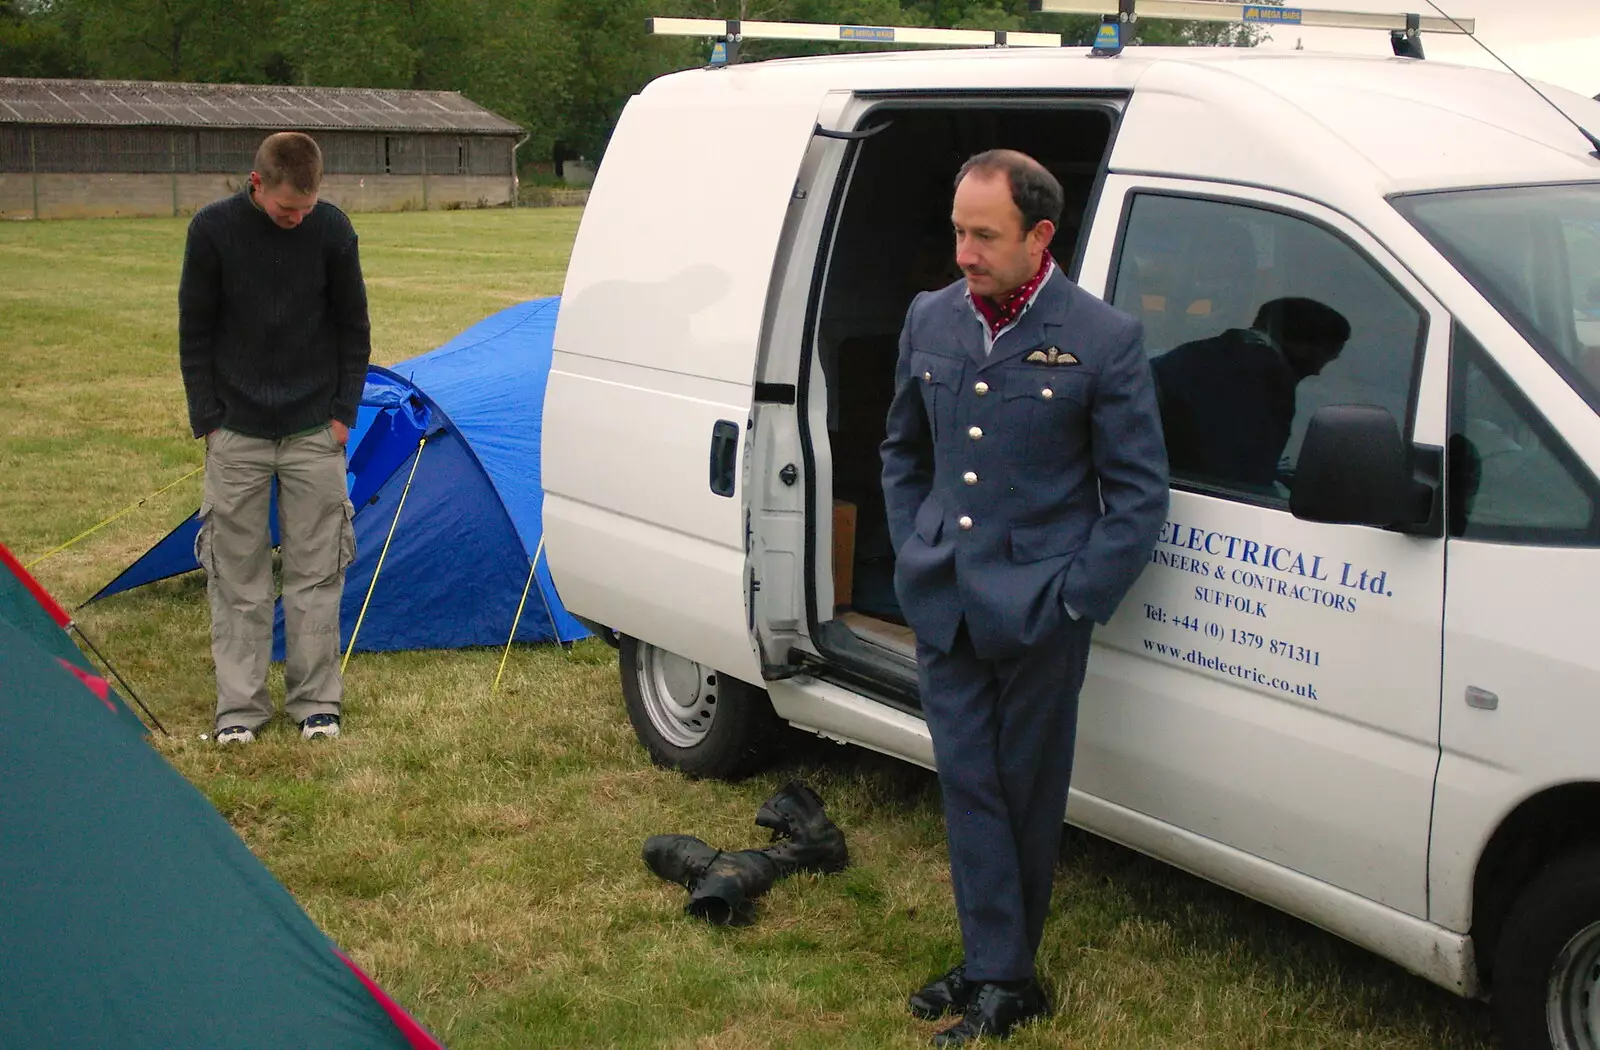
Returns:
(460,426)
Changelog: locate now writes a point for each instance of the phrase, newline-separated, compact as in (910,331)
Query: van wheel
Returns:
(692,718)
(1547,966)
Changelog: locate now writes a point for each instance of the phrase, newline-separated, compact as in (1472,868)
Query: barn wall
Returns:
(80,172)
(100,195)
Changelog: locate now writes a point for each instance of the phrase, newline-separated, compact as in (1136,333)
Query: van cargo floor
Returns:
(893,637)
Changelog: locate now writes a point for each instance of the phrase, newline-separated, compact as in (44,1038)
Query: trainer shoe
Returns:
(235,735)
(319,725)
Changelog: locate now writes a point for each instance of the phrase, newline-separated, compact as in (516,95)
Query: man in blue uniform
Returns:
(1026,480)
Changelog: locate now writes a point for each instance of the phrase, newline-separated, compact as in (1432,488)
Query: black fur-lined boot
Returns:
(722,886)
(810,841)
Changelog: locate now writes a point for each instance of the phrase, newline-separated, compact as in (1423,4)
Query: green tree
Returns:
(611,57)
(516,57)
(210,40)
(345,43)
(34,44)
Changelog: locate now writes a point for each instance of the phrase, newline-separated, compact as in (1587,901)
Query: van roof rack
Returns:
(730,32)
(1405,30)
(1117,17)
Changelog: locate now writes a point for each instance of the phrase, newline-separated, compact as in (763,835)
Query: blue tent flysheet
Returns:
(466,416)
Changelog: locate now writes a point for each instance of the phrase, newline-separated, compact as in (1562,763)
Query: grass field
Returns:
(480,855)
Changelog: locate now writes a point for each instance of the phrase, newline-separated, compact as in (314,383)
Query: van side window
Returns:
(1254,319)
(1512,479)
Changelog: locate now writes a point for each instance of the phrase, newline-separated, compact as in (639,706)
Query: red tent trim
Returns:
(35,588)
(97,685)
(415,1034)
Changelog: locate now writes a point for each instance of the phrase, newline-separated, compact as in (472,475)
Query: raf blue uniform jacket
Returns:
(1024,478)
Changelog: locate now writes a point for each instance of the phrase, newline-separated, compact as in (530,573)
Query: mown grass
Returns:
(478,853)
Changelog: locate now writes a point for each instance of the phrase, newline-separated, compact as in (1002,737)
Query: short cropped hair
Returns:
(1034,191)
(1304,321)
(290,157)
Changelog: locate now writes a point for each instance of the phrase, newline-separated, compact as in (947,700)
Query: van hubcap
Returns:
(679,696)
(1573,1006)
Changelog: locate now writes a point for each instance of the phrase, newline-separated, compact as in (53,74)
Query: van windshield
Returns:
(1534,252)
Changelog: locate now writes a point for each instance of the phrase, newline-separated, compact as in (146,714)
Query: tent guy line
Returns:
(125,510)
(416,460)
(64,620)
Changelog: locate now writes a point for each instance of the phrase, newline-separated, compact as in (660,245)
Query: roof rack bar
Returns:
(1261,14)
(836,32)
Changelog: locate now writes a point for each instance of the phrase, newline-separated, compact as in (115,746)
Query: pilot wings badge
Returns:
(1052,356)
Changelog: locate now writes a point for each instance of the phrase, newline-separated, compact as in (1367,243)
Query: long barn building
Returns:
(93,148)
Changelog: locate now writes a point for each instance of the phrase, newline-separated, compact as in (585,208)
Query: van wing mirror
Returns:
(1354,469)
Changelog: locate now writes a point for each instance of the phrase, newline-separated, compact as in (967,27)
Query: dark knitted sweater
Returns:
(273,336)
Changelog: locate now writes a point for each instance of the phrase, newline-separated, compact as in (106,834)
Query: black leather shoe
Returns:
(948,993)
(993,1012)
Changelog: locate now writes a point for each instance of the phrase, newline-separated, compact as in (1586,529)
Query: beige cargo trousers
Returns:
(234,546)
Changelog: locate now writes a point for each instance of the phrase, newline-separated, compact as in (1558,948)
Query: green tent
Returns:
(131,914)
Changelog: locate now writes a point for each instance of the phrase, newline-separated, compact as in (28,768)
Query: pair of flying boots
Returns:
(723,885)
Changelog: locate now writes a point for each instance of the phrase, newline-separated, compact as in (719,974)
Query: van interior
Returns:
(892,240)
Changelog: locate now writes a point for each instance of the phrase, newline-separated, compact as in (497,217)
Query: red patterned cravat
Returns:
(1000,314)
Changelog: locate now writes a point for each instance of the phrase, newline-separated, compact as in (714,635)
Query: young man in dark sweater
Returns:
(273,340)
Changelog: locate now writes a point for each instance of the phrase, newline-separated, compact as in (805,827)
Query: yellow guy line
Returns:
(532,568)
(382,555)
(114,517)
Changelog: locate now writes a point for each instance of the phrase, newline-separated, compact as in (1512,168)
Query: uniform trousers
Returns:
(1003,736)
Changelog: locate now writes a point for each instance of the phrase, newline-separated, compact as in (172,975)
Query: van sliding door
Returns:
(647,415)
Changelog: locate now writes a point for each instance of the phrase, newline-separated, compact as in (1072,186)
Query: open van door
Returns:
(649,406)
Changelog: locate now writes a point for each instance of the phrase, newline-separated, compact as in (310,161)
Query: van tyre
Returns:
(692,718)
(1547,965)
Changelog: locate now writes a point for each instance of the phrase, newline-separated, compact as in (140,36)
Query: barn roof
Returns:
(133,103)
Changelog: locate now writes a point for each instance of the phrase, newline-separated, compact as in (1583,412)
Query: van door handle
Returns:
(724,454)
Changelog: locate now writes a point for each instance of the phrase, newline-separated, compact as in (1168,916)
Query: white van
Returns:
(1366,692)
